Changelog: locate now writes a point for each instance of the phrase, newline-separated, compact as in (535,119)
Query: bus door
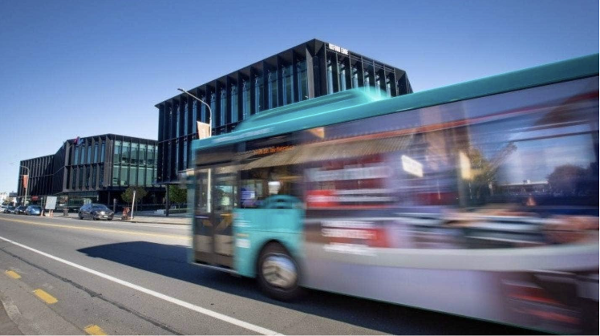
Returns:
(213,234)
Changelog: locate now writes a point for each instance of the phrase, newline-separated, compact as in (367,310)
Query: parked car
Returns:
(34,210)
(9,209)
(95,211)
(20,210)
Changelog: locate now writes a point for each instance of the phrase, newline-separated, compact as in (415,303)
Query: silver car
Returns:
(95,211)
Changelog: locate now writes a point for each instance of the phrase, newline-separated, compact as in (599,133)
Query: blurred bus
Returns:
(478,199)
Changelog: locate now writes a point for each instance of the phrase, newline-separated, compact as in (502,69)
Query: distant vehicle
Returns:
(20,210)
(95,211)
(33,210)
(9,209)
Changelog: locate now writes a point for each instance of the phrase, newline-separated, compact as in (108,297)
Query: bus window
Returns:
(260,183)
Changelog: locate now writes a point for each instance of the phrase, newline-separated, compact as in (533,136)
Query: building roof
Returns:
(245,69)
(357,104)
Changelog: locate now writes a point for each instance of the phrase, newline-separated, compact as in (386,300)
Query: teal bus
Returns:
(478,199)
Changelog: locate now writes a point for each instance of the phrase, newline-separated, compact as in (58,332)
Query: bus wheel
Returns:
(278,273)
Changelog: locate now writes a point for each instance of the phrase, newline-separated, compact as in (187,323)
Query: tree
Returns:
(127,195)
(177,195)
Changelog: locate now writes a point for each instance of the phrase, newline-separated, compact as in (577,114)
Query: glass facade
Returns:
(131,160)
(309,70)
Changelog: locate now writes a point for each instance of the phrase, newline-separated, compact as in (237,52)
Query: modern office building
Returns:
(308,70)
(96,168)
(35,178)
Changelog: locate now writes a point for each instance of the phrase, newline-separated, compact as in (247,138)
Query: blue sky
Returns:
(81,68)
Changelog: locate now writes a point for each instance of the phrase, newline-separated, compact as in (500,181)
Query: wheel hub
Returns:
(279,271)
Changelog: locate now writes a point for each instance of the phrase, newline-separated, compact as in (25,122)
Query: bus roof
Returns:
(362,103)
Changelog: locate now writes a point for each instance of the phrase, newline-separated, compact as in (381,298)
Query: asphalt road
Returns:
(123,278)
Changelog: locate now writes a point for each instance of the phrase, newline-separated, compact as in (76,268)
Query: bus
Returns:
(478,199)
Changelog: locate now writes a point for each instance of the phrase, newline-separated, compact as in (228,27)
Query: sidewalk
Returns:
(176,219)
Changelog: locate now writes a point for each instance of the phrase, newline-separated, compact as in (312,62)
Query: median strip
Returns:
(49,299)
(93,329)
(13,274)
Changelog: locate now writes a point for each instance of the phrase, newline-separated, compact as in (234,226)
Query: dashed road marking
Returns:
(181,303)
(49,299)
(93,329)
(13,274)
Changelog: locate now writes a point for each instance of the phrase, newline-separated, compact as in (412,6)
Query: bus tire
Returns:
(278,273)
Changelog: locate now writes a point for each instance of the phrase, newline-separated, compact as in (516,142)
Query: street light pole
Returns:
(208,106)
(27,186)
(209,195)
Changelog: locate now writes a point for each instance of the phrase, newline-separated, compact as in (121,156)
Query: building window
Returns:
(126,153)
(203,112)
(124,176)
(342,68)
(170,124)
(272,88)
(185,155)
(186,129)
(95,153)
(367,79)
(223,108)
(329,77)
(234,104)
(76,161)
(94,172)
(288,85)
(378,84)
(177,125)
(354,77)
(88,158)
(149,179)
(115,174)
(150,160)
(80,183)
(134,153)
(117,155)
(213,108)
(245,100)
(302,80)
(142,155)
(194,116)
(258,86)
(388,87)
(176,155)
(133,172)
(73,178)
(101,176)
(102,151)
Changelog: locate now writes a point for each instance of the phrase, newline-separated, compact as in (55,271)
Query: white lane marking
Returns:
(173,300)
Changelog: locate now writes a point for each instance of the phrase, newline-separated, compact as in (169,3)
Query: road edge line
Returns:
(181,303)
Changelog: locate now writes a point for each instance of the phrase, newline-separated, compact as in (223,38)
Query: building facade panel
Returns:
(309,70)
(97,169)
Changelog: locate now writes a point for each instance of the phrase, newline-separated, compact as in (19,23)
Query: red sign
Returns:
(25,180)
(34,198)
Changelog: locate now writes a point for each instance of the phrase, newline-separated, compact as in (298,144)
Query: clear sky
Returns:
(80,68)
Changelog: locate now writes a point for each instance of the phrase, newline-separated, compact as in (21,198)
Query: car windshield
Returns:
(99,207)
